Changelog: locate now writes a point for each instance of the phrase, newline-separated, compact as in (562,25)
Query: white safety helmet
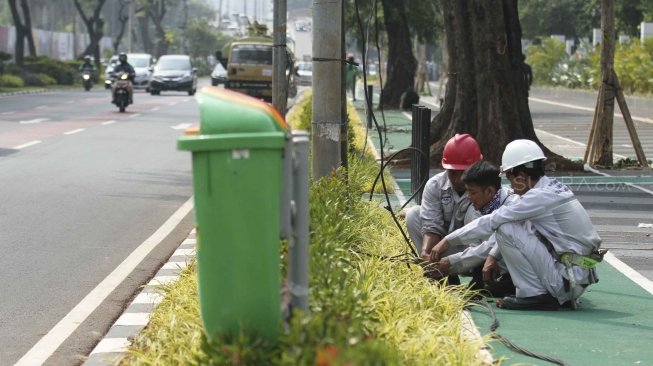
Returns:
(519,152)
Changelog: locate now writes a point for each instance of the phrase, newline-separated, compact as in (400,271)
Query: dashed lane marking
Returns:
(41,107)
(135,115)
(31,143)
(35,120)
(69,102)
(7,113)
(74,131)
(154,109)
(105,123)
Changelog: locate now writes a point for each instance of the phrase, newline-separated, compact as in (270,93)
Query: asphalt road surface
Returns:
(83,186)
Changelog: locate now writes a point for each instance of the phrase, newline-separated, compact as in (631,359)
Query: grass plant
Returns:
(368,304)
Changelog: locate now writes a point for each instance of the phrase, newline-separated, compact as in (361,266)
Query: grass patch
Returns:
(364,310)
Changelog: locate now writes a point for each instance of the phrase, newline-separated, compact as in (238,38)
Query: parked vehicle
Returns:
(173,72)
(121,86)
(218,75)
(248,62)
(87,80)
(305,73)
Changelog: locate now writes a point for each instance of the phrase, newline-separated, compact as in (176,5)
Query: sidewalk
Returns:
(613,325)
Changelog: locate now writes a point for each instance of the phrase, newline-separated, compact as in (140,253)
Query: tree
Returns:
(156,11)
(123,18)
(94,25)
(485,94)
(23,25)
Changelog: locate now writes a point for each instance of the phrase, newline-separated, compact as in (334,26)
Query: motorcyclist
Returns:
(124,66)
(88,66)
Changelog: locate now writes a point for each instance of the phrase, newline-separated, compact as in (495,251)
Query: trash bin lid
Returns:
(226,111)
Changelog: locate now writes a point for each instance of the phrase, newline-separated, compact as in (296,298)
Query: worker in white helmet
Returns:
(546,237)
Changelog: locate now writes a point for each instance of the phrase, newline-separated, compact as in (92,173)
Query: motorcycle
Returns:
(120,90)
(87,80)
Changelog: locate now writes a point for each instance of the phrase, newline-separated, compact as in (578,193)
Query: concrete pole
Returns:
(279,79)
(327,65)
(298,246)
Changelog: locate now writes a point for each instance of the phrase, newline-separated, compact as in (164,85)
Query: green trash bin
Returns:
(237,160)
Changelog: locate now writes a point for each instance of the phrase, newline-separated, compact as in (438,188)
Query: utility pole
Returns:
(328,117)
(280,57)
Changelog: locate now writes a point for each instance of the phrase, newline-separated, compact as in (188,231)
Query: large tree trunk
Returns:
(485,94)
(95,26)
(28,28)
(144,27)
(156,12)
(401,62)
(122,19)
(19,46)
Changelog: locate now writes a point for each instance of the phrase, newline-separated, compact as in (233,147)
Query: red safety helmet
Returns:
(460,152)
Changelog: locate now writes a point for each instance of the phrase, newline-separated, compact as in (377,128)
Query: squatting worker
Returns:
(484,191)
(445,206)
(537,234)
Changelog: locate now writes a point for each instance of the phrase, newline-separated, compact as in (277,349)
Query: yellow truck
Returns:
(248,62)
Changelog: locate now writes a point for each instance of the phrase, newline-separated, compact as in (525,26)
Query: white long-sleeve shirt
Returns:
(551,208)
(475,255)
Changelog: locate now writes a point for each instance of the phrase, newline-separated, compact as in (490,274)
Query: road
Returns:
(83,186)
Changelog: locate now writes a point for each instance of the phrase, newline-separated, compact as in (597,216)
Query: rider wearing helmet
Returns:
(124,66)
(87,65)
(546,237)
(444,206)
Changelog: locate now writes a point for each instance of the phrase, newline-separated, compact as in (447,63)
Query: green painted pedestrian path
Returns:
(614,322)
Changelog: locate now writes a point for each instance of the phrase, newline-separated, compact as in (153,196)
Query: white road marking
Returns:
(69,102)
(135,115)
(181,126)
(47,345)
(113,345)
(538,131)
(172,104)
(572,106)
(74,131)
(36,120)
(42,107)
(148,298)
(31,143)
(154,109)
(7,113)
(108,122)
(629,272)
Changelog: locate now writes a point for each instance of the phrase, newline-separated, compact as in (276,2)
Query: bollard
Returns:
(237,160)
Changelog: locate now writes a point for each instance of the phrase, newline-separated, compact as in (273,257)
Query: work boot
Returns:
(538,302)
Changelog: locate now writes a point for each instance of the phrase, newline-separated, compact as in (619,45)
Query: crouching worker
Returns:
(546,237)
(445,206)
(482,261)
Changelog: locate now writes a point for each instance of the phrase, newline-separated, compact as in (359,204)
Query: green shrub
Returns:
(544,58)
(11,81)
(63,72)
(47,79)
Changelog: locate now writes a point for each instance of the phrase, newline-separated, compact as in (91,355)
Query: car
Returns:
(300,26)
(218,75)
(173,72)
(305,73)
(141,62)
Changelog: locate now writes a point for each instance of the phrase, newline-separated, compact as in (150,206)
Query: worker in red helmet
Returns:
(445,206)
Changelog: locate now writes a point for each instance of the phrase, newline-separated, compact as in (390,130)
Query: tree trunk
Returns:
(422,78)
(401,62)
(144,27)
(122,19)
(603,140)
(19,47)
(95,27)
(485,94)
(156,12)
(28,28)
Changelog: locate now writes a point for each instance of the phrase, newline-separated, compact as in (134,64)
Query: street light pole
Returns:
(280,57)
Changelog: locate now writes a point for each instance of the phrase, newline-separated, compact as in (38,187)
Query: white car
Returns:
(141,62)
(305,73)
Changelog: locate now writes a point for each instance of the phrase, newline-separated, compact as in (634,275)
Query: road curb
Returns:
(112,348)
(23,92)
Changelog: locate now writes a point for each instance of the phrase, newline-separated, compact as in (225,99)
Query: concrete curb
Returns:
(112,348)
(23,92)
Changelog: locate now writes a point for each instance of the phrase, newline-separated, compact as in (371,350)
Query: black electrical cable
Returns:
(508,343)
(385,164)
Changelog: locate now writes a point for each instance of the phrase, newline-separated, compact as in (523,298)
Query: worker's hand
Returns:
(425,255)
(438,250)
(490,269)
(443,265)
